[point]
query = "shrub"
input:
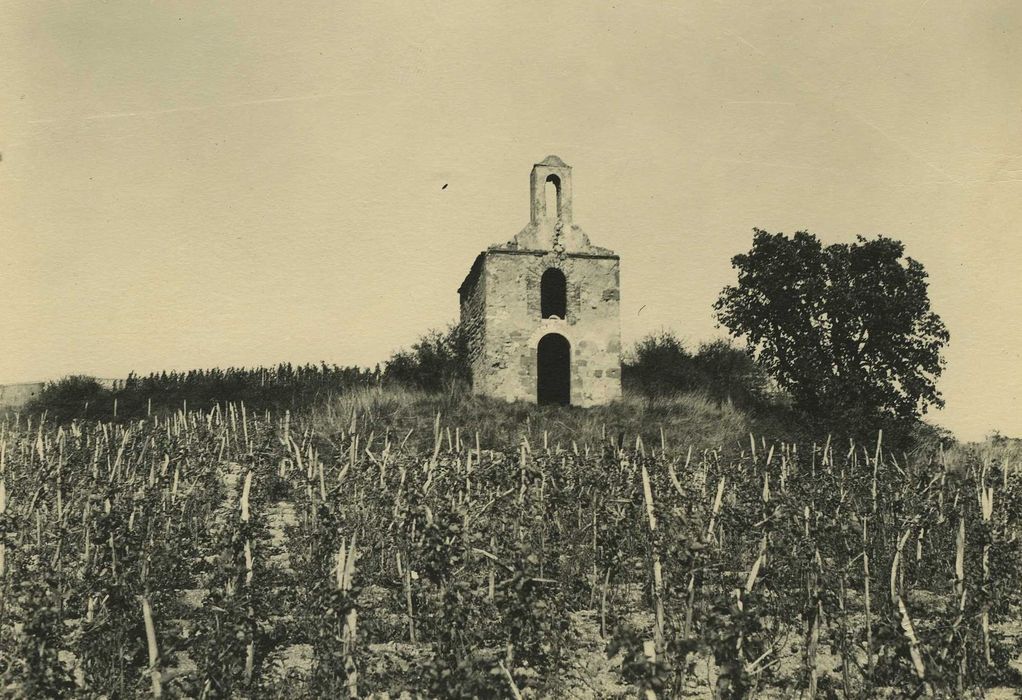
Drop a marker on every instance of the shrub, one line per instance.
(438, 360)
(661, 366)
(284, 386)
(728, 372)
(71, 397)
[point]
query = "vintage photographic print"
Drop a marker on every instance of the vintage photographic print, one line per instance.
(510, 349)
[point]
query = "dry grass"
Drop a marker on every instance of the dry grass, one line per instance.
(684, 419)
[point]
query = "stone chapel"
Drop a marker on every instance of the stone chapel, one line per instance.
(542, 311)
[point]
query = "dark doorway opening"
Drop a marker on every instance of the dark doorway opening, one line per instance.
(553, 294)
(553, 359)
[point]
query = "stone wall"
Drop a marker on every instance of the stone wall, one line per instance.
(473, 315)
(17, 395)
(13, 396)
(513, 327)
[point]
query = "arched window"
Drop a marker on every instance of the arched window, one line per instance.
(553, 197)
(553, 294)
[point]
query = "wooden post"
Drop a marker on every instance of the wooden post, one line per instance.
(349, 631)
(3, 509)
(987, 509)
(866, 595)
(658, 582)
(154, 654)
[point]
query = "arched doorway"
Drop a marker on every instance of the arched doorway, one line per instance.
(553, 370)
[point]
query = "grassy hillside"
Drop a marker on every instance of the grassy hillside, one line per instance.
(684, 419)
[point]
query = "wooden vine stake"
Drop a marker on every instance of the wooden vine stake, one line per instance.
(815, 592)
(813, 640)
(244, 426)
(3, 508)
(715, 511)
(895, 563)
(349, 631)
(986, 502)
(245, 516)
(750, 583)
(913, 642)
(866, 598)
(658, 579)
(960, 593)
(3, 546)
(906, 621)
(406, 575)
(154, 652)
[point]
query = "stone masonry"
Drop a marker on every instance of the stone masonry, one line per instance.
(506, 295)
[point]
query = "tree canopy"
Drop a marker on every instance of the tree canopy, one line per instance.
(845, 329)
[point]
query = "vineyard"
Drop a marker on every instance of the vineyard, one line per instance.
(361, 552)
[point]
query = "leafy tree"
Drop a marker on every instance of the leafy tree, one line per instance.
(845, 329)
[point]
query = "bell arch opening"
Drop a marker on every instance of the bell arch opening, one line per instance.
(553, 370)
(553, 197)
(553, 294)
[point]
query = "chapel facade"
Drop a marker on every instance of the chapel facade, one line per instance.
(542, 311)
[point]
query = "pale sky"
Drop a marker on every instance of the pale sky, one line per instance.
(203, 184)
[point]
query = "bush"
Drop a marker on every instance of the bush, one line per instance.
(278, 388)
(75, 396)
(661, 366)
(285, 386)
(728, 372)
(437, 361)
